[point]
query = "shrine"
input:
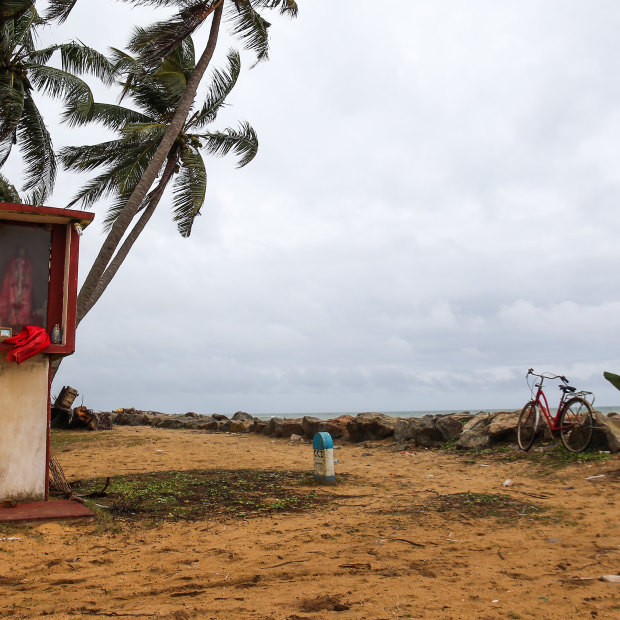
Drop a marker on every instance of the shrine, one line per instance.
(38, 298)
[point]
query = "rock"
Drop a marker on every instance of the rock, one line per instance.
(365, 426)
(429, 431)
(208, 424)
(336, 427)
(242, 415)
(606, 432)
(485, 429)
(294, 437)
(219, 416)
(172, 422)
(284, 427)
(132, 418)
(191, 414)
(241, 426)
(503, 426)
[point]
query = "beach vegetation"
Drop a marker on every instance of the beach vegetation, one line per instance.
(201, 494)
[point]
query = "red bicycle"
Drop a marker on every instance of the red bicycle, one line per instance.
(574, 418)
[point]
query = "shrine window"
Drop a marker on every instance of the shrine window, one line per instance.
(24, 275)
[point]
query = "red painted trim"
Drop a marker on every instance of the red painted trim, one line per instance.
(57, 276)
(49, 425)
(72, 291)
(10, 210)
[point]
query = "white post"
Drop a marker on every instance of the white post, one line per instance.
(323, 458)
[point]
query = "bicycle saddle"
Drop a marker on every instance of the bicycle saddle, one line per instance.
(567, 388)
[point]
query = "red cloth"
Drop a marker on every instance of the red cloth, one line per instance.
(28, 342)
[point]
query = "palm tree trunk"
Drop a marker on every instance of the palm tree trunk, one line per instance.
(87, 296)
(131, 238)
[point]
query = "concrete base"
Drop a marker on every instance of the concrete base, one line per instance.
(53, 510)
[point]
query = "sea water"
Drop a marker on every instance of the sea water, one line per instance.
(404, 414)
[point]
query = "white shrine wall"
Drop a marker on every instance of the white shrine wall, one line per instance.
(24, 394)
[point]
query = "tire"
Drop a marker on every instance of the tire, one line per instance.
(527, 428)
(577, 425)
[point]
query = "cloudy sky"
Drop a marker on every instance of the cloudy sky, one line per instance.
(432, 212)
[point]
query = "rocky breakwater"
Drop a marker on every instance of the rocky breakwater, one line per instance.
(464, 430)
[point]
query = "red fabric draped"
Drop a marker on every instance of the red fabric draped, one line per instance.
(28, 342)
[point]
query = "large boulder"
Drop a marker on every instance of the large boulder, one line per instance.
(486, 429)
(336, 427)
(370, 426)
(429, 431)
(241, 426)
(241, 416)
(607, 431)
(284, 427)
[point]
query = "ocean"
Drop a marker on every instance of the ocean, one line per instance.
(405, 414)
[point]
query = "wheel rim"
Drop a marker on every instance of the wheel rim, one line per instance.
(526, 430)
(576, 427)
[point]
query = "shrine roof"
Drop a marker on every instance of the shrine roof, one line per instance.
(53, 215)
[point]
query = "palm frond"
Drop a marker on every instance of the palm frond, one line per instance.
(59, 10)
(222, 84)
(156, 41)
(151, 132)
(190, 188)
(112, 116)
(244, 143)
(11, 103)
(58, 83)
(91, 156)
(251, 27)
(11, 9)
(36, 146)
(8, 193)
(79, 58)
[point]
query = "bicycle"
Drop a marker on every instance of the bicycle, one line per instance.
(574, 418)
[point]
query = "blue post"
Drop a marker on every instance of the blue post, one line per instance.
(323, 458)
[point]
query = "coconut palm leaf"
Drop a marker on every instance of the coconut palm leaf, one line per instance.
(190, 188)
(78, 58)
(112, 116)
(221, 86)
(161, 38)
(36, 144)
(90, 157)
(58, 10)
(243, 143)
(12, 105)
(11, 9)
(58, 83)
(251, 28)
(287, 7)
(8, 193)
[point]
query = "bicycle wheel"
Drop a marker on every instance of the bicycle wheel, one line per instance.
(527, 426)
(577, 424)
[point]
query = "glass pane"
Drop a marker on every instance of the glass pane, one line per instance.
(24, 276)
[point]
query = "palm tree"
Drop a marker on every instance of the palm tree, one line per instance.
(125, 159)
(153, 44)
(24, 70)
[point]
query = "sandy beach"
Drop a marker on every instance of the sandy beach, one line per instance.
(403, 534)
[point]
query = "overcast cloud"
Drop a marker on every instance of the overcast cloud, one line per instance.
(433, 210)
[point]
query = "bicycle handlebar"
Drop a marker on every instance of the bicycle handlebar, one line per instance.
(547, 376)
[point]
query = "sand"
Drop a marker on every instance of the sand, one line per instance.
(392, 540)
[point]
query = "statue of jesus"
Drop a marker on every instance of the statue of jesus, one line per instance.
(16, 292)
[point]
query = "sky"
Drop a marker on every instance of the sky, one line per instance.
(432, 212)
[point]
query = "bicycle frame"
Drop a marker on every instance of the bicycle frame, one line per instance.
(541, 403)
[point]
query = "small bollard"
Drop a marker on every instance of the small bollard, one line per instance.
(323, 458)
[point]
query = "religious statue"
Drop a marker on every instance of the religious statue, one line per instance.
(16, 291)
